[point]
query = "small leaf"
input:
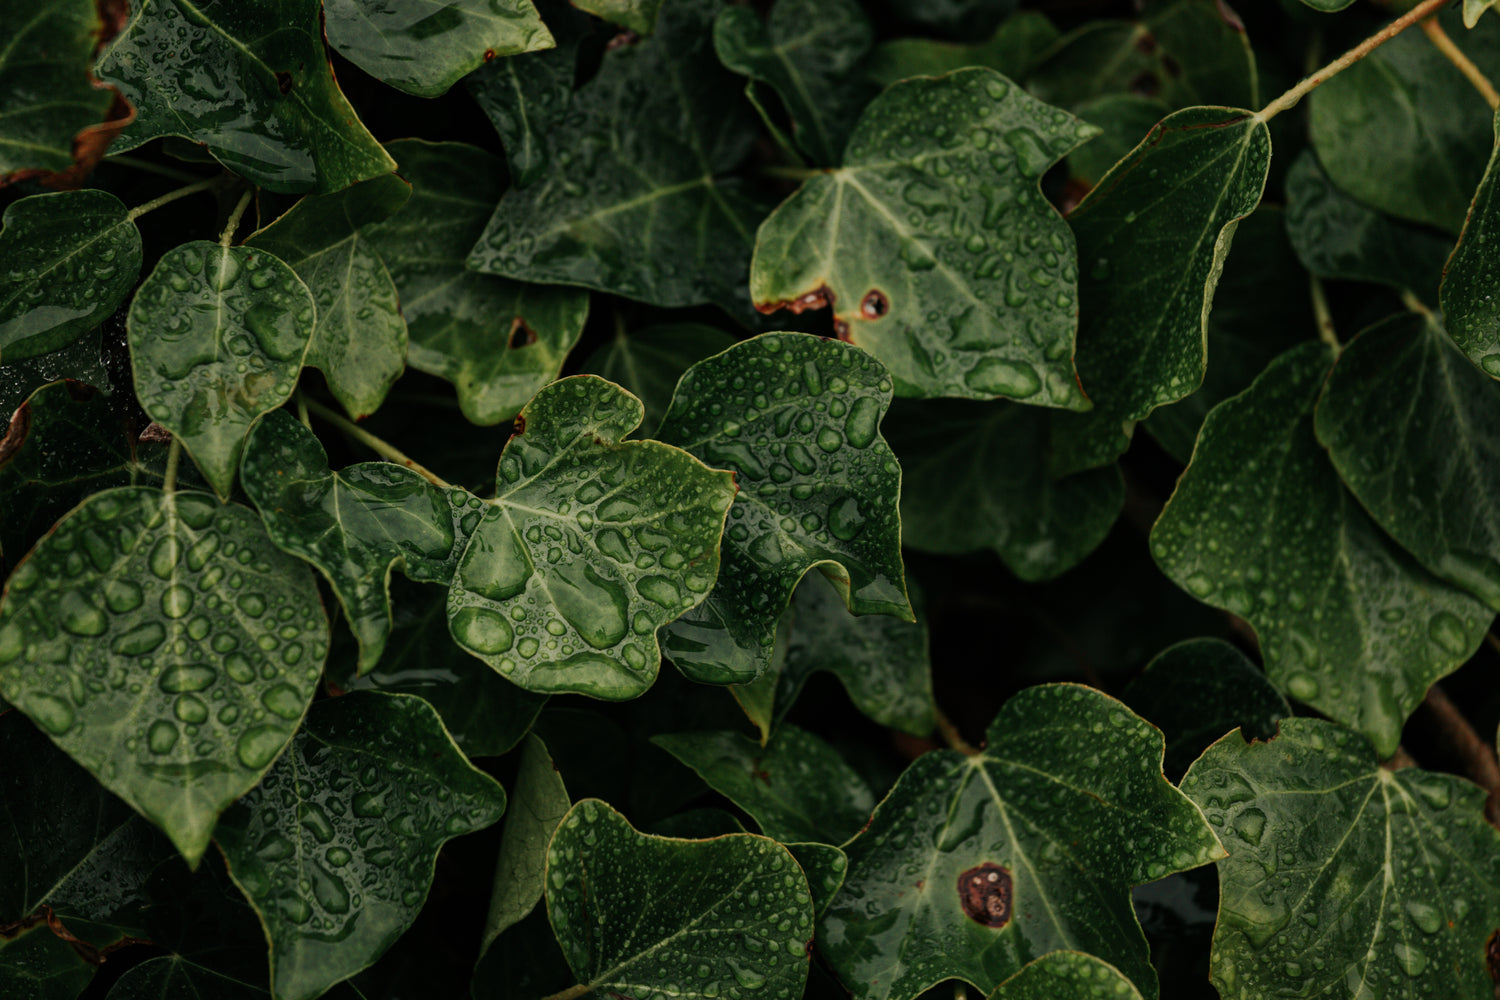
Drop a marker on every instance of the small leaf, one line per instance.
(69, 259)
(538, 802)
(1011, 51)
(591, 545)
(1122, 119)
(1468, 278)
(971, 865)
(217, 337)
(45, 86)
(425, 46)
(82, 361)
(825, 867)
(1472, 10)
(1341, 874)
(797, 418)
(636, 914)
(1261, 526)
(335, 849)
(638, 16)
(935, 277)
(166, 645)
(649, 362)
(1067, 973)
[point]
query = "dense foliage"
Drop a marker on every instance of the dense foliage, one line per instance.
(650, 499)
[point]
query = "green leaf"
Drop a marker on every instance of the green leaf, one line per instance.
(636, 914)
(69, 259)
(796, 787)
(649, 362)
(1123, 119)
(825, 867)
(45, 86)
(809, 51)
(166, 645)
(977, 478)
(270, 111)
(1073, 974)
(1143, 327)
(1472, 10)
(933, 244)
(638, 16)
(971, 865)
(81, 360)
(1330, 6)
(335, 849)
(1011, 51)
(953, 17)
(359, 341)
(217, 338)
(637, 202)
(1261, 526)
(1343, 877)
(1468, 278)
(497, 341)
(1433, 485)
(355, 525)
(797, 418)
(425, 46)
(591, 545)
(539, 800)
(172, 977)
(38, 965)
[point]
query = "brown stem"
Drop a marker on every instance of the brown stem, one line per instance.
(1477, 755)
(571, 993)
(1455, 55)
(1398, 760)
(952, 736)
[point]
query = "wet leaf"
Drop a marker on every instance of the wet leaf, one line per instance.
(797, 419)
(825, 867)
(167, 646)
(971, 865)
(649, 362)
(335, 848)
(217, 338)
(69, 259)
(359, 341)
(1342, 876)
(1073, 974)
(933, 244)
(249, 80)
(1123, 119)
(45, 86)
(636, 914)
(1012, 51)
(497, 341)
(1261, 526)
(591, 545)
(172, 977)
(81, 360)
(638, 16)
(38, 965)
(538, 802)
(1468, 278)
(425, 46)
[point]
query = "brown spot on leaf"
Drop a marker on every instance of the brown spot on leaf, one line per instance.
(1492, 954)
(284, 81)
(519, 426)
(156, 434)
(819, 298)
(841, 330)
(521, 335)
(489, 55)
(874, 305)
(1172, 66)
(984, 893)
(1145, 84)
(621, 40)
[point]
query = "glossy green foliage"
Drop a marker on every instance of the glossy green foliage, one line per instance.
(932, 243)
(1467, 298)
(1080, 975)
(539, 800)
(1344, 877)
(973, 865)
(46, 90)
(81, 360)
(69, 259)
(38, 965)
(797, 419)
(638, 16)
(589, 547)
(636, 914)
(166, 645)
(649, 362)
(1015, 47)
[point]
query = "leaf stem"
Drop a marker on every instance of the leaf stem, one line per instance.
(379, 446)
(1327, 332)
(234, 219)
(571, 993)
(1415, 304)
(951, 735)
(174, 456)
(1354, 55)
(1455, 55)
(121, 160)
(173, 195)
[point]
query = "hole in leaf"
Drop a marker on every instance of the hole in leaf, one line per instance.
(874, 305)
(521, 335)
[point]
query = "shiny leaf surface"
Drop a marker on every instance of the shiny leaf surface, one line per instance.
(46, 92)
(1468, 279)
(1073, 974)
(81, 360)
(649, 362)
(538, 802)
(638, 16)
(1011, 51)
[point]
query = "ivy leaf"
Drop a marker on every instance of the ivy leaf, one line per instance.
(638, 16)
(425, 46)
(825, 867)
(797, 418)
(497, 341)
(39, 965)
(538, 803)
(82, 361)
(809, 51)
(637, 202)
(1342, 875)
(167, 646)
(1011, 51)
(45, 87)
(335, 849)
(359, 340)
(649, 362)
(591, 545)
(70, 259)
(1472, 10)
(635, 913)
(1122, 119)
(1467, 280)
(1261, 526)
(1030, 836)
(1073, 974)
(960, 289)
(271, 111)
(217, 338)
(796, 787)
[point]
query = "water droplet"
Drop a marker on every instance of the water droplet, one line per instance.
(50, 712)
(259, 745)
(1014, 379)
(1448, 632)
(182, 678)
(161, 737)
(80, 617)
(845, 519)
(283, 700)
(1303, 687)
(482, 629)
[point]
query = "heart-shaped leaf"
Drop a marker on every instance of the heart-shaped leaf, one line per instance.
(1071, 974)
(166, 645)
(1468, 279)
(172, 977)
(45, 87)
(1011, 51)
(650, 362)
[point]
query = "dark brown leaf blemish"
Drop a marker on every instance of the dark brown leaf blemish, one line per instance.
(284, 81)
(841, 330)
(519, 426)
(874, 305)
(1145, 84)
(489, 55)
(520, 334)
(621, 40)
(819, 298)
(984, 892)
(1172, 66)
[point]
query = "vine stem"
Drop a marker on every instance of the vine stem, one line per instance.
(174, 456)
(571, 993)
(379, 446)
(951, 735)
(234, 220)
(171, 196)
(1455, 55)
(1479, 759)
(1326, 330)
(1289, 99)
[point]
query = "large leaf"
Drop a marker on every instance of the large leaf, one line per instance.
(1012, 51)
(1261, 526)
(166, 645)
(252, 82)
(637, 202)
(46, 93)
(217, 337)
(798, 420)
(591, 545)
(637, 914)
(1468, 280)
(69, 260)
(359, 341)
(972, 865)
(538, 802)
(1345, 879)
(1077, 975)
(497, 341)
(172, 977)
(1122, 120)
(933, 244)
(81, 360)
(425, 46)
(649, 362)
(335, 848)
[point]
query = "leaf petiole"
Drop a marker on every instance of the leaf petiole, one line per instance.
(383, 448)
(1465, 65)
(173, 195)
(174, 456)
(234, 219)
(1326, 330)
